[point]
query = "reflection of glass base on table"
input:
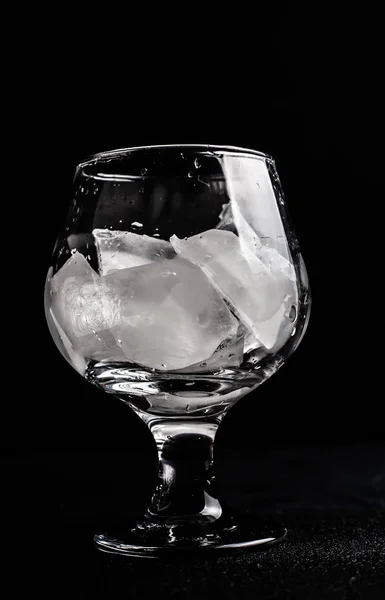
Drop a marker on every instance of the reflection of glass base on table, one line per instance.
(149, 539)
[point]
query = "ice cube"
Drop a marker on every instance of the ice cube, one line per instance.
(124, 250)
(65, 345)
(278, 264)
(228, 355)
(251, 341)
(253, 198)
(271, 252)
(76, 266)
(258, 293)
(84, 306)
(100, 345)
(287, 326)
(226, 218)
(171, 315)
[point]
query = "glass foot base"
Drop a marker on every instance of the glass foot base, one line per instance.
(225, 535)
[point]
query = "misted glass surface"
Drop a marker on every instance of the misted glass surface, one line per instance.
(177, 282)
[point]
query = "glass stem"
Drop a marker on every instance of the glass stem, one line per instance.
(185, 492)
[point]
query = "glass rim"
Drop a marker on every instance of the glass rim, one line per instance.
(198, 148)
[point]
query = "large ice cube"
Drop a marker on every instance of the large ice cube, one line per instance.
(228, 355)
(271, 252)
(252, 198)
(171, 315)
(100, 345)
(85, 307)
(65, 345)
(259, 293)
(76, 266)
(124, 250)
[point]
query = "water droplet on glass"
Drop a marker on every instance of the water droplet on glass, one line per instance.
(187, 407)
(143, 171)
(292, 313)
(197, 163)
(137, 224)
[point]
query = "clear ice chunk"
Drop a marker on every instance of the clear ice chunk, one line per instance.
(260, 293)
(278, 264)
(228, 355)
(76, 266)
(271, 252)
(99, 346)
(252, 198)
(171, 315)
(85, 307)
(65, 345)
(124, 250)
(251, 341)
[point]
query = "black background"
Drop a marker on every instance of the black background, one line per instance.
(301, 83)
(303, 86)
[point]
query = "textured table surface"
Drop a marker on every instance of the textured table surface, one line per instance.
(332, 499)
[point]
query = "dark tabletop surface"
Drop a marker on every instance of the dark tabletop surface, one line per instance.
(330, 497)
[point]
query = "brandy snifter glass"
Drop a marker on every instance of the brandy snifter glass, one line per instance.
(177, 285)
